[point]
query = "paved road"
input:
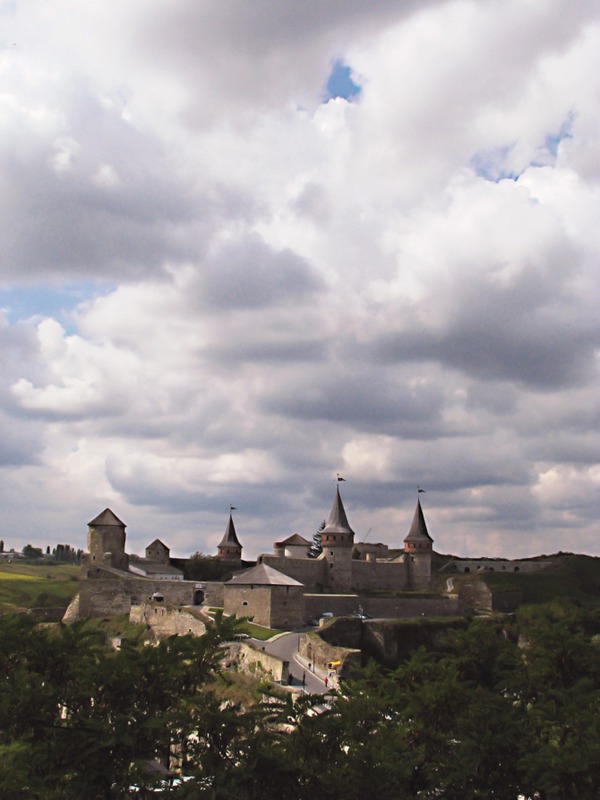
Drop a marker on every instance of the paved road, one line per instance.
(286, 647)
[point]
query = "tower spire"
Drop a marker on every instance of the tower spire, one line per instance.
(337, 530)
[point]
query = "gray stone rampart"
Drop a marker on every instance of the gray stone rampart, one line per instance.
(385, 575)
(106, 597)
(493, 565)
(387, 607)
(309, 571)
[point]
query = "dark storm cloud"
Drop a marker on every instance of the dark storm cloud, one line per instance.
(369, 399)
(498, 334)
(96, 198)
(311, 350)
(249, 274)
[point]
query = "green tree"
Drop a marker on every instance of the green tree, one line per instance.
(316, 548)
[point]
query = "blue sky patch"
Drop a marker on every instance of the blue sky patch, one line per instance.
(23, 302)
(340, 83)
(490, 164)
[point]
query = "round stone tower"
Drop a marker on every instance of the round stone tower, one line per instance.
(106, 541)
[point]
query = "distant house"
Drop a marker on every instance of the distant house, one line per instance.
(158, 551)
(295, 546)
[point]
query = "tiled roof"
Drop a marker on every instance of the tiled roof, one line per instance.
(230, 536)
(337, 521)
(107, 517)
(418, 528)
(296, 539)
(263, 575)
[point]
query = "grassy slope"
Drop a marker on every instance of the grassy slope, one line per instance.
(24, 586)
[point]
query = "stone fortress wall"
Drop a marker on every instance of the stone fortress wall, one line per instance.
(167, 620)
(493, 565)
(347, 604)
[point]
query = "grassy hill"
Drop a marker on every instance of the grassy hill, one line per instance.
(24, 586)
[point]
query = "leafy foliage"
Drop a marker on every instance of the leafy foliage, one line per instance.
(495, 713)
(205, 568)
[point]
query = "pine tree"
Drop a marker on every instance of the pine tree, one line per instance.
(316, 548)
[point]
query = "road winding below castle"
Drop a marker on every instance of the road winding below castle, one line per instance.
(285, 646)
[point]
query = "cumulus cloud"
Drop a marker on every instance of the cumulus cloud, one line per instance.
(400, 286)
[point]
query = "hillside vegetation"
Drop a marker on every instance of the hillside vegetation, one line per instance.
(571, 577)
(24, 586)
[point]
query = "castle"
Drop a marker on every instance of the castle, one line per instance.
(284, 589)
(345, 566)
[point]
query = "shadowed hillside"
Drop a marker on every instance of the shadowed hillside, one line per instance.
(24, 586)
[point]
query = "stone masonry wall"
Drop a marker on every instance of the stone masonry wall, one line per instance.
(271, 606)
(385, 576)
(258, 662)
(287, 607)
(320, 653)
(167, 620)
(110, 596)
(311, 572)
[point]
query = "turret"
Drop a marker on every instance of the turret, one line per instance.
(337, 539)
(418, 546)
(337, 531)
(229, 548)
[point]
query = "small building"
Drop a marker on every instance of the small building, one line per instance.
(158, 551)
(266, 595)
(295, 546)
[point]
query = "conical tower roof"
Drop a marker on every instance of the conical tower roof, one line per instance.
(230, 538)
(418, 529)
(106, 517)
(337, 522)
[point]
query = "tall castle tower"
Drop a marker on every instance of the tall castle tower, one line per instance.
(106, 541)
(418, 546)
(337, 540)
(229, 548)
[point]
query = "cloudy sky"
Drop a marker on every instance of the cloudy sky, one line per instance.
(246, 246)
